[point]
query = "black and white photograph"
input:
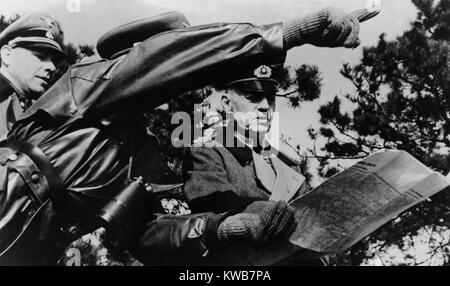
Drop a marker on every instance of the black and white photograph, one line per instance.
(229, 133)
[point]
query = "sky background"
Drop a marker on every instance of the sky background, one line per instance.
(84, 21)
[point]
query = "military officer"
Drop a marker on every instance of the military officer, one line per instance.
(235, 166)
(67, 157)
(237, 169)
(30, 48)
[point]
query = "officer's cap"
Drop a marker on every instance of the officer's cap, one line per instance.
(123, 38)
(262, 78)
(34, 31)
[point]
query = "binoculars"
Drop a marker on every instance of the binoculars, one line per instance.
(126, 215)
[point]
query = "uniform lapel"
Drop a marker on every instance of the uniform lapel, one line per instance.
(282, 181)
(288, 181)
(264, 172)
(273, 173)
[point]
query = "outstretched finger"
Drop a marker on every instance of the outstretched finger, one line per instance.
(346, 30)
(365, 14)
(352, 40)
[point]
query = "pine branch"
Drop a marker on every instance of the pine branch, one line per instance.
(315, 156)
(289, 93)
(341, 130)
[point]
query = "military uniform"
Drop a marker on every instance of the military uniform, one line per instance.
(221, 176)
(32, 31)
(11, 107)
(81, 126)
(221, 179)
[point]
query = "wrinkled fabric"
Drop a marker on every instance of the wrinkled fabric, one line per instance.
(178, 240)
(225, 179)
(282, 180)
(82, 123)
(10, 108)
(88, 112)
(220, 179)
(27, 220)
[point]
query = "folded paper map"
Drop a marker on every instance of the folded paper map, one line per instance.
(348, 206)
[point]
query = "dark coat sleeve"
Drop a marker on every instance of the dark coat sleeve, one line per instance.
(30, 233)
(179, 240)
(159, 69)
(168, 64)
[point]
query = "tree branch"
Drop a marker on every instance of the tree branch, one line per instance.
(287, 94)
(315, 156)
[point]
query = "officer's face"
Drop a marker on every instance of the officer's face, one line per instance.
(29, 70)
(252, 111)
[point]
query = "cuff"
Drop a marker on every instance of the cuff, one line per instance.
(274, 50)
(212, 224)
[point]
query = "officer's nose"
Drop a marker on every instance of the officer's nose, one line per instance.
(264, 104)
(48, 64)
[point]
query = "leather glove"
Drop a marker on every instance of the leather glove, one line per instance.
(260, 223)
(329, 27)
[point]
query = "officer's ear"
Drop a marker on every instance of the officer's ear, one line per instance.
(226, 102)
(5, 54)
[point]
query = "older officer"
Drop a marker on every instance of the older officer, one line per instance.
(234, 171)
(237, 171)
(67, 157)
(29, 51)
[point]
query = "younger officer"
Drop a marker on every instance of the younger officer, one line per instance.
(29, 51)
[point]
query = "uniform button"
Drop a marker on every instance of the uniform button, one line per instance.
(35, 178)
(13, 157)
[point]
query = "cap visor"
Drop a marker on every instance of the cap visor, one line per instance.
(50, 49)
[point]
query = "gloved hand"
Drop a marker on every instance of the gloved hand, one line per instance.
(260, 223)
(328, 27)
